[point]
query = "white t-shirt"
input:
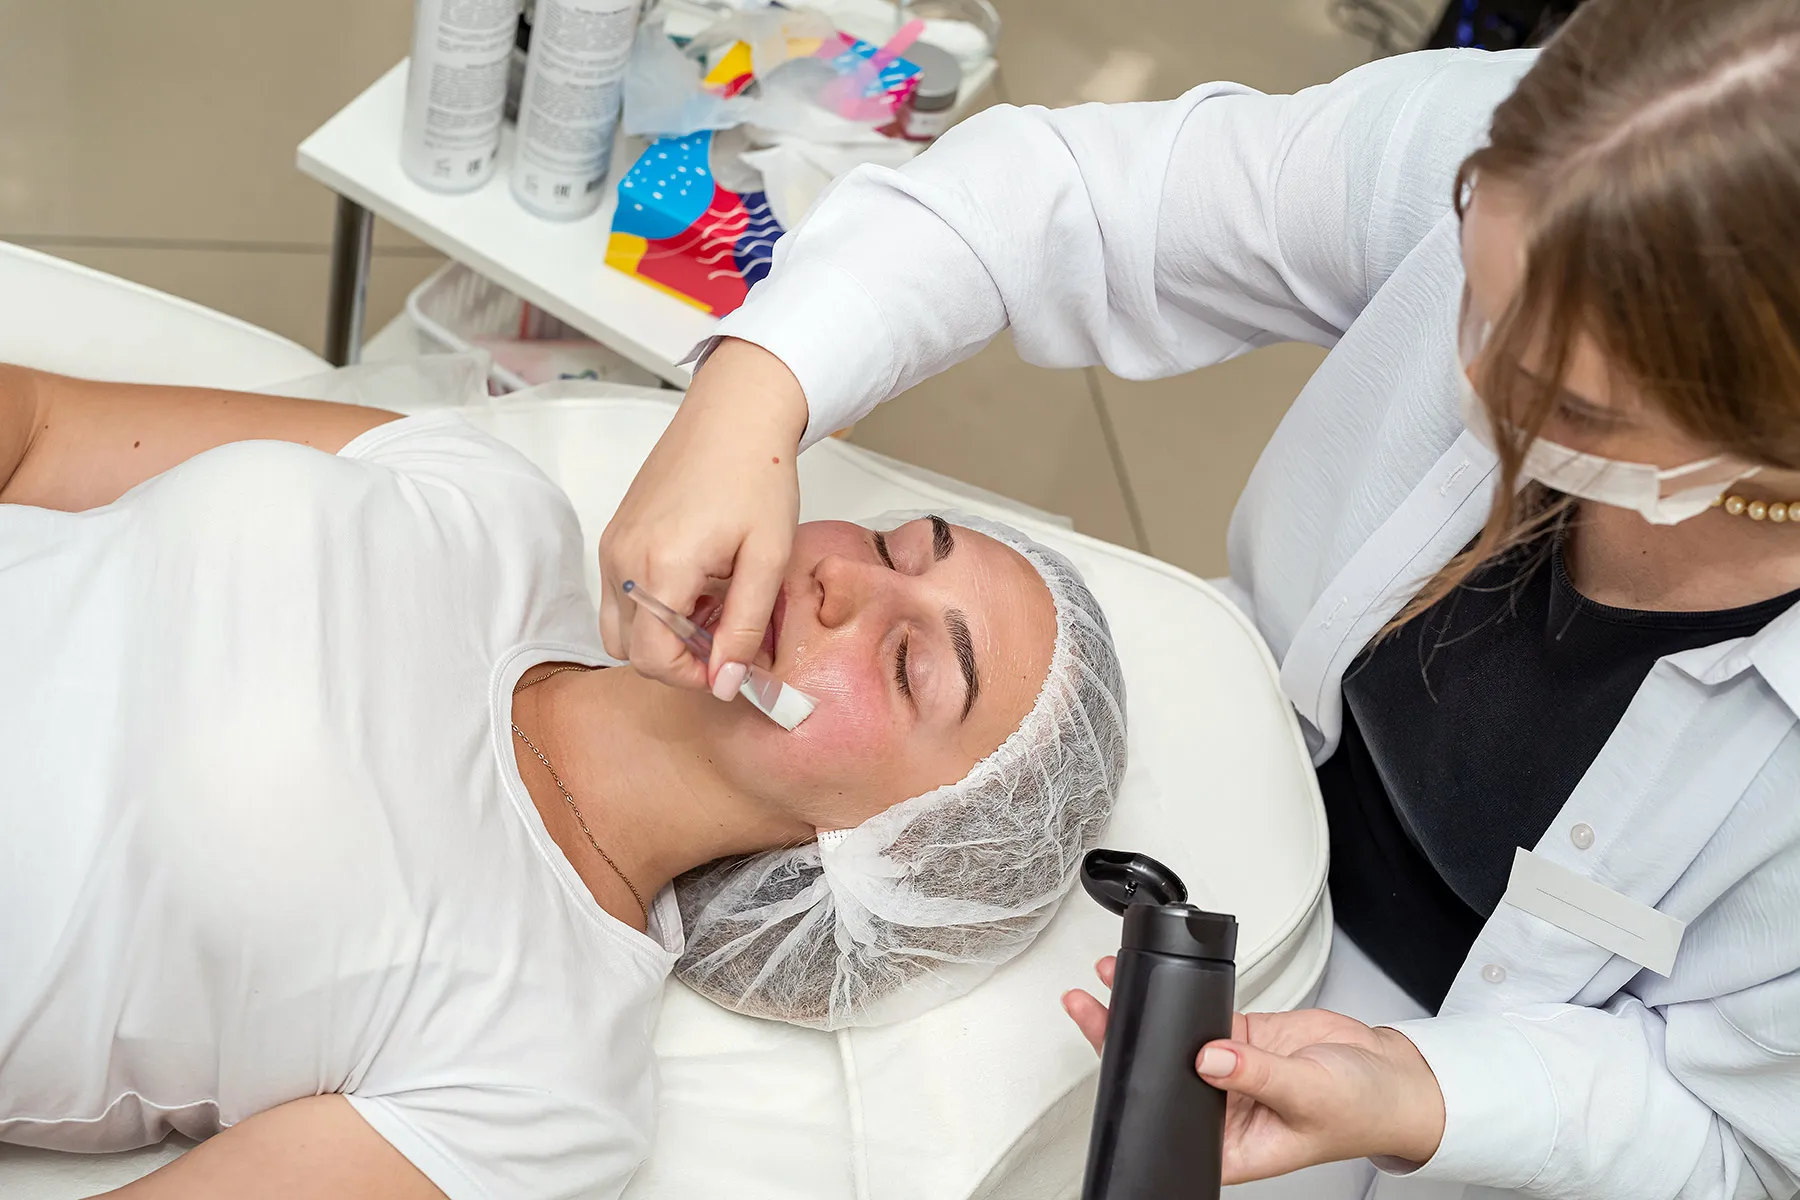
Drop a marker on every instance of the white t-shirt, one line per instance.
(262, 834)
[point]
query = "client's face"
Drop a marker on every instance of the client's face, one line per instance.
(925, 647)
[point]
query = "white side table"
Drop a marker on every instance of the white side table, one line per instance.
(560, 266)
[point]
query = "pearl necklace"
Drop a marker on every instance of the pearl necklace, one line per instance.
(1759, 510)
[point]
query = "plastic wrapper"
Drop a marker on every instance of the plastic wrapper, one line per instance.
(663, 92)
(753, 118)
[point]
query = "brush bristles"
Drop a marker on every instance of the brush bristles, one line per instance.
(791, 707)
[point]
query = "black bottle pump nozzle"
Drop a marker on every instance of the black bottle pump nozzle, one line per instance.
(1158, 1127)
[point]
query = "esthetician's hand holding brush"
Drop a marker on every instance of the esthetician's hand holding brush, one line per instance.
(1306, 1087)
(718, 498)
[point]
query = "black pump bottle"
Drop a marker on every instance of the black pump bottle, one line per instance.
(1158, 1127)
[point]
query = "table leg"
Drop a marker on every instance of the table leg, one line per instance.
(351, 237)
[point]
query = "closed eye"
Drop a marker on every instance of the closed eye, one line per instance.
(900, 673)
(1571, 407)
(1583, 415)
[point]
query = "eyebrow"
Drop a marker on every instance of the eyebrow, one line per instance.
(942, 540)
(964, 645)
(943, 544)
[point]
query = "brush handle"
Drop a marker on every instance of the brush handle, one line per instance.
(897, 45)
(698, 641)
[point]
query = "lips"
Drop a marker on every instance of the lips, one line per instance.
(771, 643)
(707, 612)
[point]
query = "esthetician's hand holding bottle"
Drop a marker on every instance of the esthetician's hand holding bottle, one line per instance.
(718, 498)
(1306, 1087)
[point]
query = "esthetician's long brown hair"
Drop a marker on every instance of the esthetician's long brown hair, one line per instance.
(1657, 143)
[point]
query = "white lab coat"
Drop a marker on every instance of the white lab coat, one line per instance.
(1156, 238)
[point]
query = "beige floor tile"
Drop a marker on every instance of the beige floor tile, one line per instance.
(1188, 444)
(1020, 430)
(179, 118)
(1058, 52)
(282, 292)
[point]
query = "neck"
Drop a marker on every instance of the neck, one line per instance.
(630, 754)
(1712, 561)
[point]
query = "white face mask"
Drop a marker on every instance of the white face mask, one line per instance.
(1637, 486)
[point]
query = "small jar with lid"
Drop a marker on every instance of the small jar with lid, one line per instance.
(927, 112)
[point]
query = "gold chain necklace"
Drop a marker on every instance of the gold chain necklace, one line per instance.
(570, 800)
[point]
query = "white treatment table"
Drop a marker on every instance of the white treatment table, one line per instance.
(988, 1096)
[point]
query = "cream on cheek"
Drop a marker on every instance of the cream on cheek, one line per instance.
(854, 721)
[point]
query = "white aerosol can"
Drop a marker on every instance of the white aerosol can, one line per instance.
(455, 91)
(569, 110)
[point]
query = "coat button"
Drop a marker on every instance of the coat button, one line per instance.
(1494, 973)
(1582, 835)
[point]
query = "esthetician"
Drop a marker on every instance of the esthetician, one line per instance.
(1526, 547)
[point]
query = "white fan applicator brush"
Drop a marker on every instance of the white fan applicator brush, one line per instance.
(786, 706)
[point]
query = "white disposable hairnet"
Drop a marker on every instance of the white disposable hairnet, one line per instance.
(921, 902)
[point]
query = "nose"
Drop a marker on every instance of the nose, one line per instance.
(847, 588)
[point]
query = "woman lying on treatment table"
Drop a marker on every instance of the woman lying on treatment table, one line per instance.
(318, 834)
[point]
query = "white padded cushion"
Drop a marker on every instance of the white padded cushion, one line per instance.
(64, 317)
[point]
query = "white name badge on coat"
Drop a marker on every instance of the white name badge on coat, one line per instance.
(1578, 905)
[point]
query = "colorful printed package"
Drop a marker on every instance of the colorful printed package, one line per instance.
(892, 83)
(679, 229)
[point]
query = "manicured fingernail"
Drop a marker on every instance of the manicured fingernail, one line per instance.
(729, 679)
(1217, 1062)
